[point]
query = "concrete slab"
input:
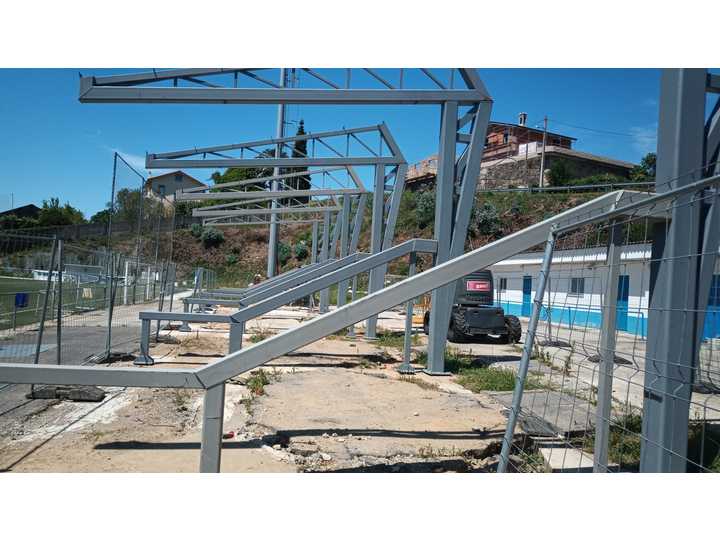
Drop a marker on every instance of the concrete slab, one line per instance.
(548, 413)
(560, 459)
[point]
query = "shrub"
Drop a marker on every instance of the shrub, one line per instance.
(486, 220)
(301, 250)
(425, 208)
(212, 237)
(196, 230)
(283, 253)
(231, 258)
(559, 173)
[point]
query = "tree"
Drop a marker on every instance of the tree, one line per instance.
(103, 216)
(53, 215)
(425, 208)
(645, 172)
(299, 182)
(559, 173)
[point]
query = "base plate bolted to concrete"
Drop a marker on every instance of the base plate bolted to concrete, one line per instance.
(144, 361)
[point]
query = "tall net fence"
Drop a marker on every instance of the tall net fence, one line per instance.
(141, 213)
(611, 384)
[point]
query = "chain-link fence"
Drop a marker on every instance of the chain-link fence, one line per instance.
(623, 372)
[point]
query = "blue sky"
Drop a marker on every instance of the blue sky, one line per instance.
(51, 145)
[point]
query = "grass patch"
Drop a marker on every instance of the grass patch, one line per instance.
(481, 378)
(494, 379)
(395, 340)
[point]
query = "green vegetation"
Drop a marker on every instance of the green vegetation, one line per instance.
(52, 214)
(258, 380)
(301, 250)
(395, 339)
(261, 335)
(481, 378)
(212, 237)
(283, 253)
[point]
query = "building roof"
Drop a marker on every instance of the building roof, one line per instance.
(528, 128)
(22, 211)
(173, 173)
(563, 151)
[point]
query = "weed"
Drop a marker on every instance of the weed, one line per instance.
(531, 462)
(261, 335)
(180, 399)
(422, 383)
(257, 382)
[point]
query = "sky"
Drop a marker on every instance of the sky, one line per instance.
(51, 145)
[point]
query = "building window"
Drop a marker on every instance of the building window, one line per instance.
(506, 137)
(577, 286)
(178, 177)
(503, 284)
(161, 189)
(714, 299)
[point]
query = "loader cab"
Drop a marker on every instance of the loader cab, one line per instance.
(475, 289)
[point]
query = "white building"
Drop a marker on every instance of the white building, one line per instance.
(576, 284)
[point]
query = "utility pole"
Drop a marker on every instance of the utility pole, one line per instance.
(542, 156)
(273, 238)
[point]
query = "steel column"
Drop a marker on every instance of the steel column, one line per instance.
(236, 335)
(324, 255)
(442, 298)
(672, 348)
(212, 430)
(144, 359)
(405, 367)
(527, 352)
(344, 233)
(378, 213)
(273, 238)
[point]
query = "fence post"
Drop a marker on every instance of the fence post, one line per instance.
(607, 351)
(405, 367)
(111, 306)
(45, 306)
(58, 326)
(212, 430)
(527, 351)
(125, 282)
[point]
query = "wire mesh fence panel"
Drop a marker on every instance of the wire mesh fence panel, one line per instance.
(64, 303)
(27, 289)
(597, 368)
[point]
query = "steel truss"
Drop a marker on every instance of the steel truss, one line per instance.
(333, 150)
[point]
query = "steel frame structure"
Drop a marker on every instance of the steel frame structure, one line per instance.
(357, 152)
(465, 106)
(212, 378)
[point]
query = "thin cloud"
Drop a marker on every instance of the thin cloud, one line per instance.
(650, 102)
(644, 139)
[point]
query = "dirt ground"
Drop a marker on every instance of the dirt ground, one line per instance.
(337, 405)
